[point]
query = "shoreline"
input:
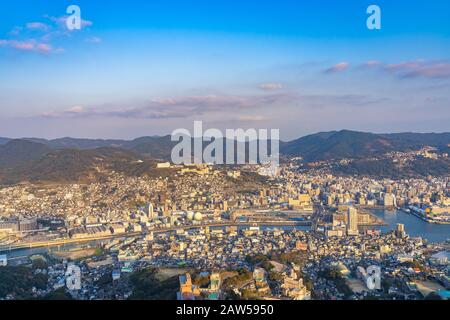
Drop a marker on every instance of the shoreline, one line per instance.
(403, 209)
(431, 221)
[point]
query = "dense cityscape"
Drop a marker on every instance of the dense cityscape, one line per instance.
(217, 232)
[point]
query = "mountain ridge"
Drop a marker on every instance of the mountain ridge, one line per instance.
(65, 159)
(354, 144)
(319, 146)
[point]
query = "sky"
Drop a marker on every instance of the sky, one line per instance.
(139, 68)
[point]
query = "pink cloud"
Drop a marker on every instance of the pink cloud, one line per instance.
(76, 109)
(29, 45)
(413, 69)
(23, 46)
(56, 27)
(211, 105)
(371, 63)
(341, 66)
(177, 107)
(420, 68)
(45, 48)
(410, 65)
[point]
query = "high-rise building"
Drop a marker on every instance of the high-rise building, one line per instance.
(352, 221)
(150, 211)
(389, 200)
(400, 231)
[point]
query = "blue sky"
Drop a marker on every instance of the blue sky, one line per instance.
(148, 67)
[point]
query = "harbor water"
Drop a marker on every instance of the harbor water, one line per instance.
(414, 226)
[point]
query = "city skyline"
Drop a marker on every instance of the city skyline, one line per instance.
(147, 69)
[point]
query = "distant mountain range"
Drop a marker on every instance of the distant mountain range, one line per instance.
(351, 144)
(319, 146)
(386, 168)
(158, 147)
(68, 165)
(70, 159)
(21, 151)
(16, 152)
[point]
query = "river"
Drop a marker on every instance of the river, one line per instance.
(414, 226)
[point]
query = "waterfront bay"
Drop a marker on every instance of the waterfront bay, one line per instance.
(414, 226)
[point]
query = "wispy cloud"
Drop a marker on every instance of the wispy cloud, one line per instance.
(38, 36)
(60, 29)
(62, 20)
(413, 69)
(177, 107)
(241, 108)
(29, 45)
(371, 63)
(93, 40)
(69, 113)
(37, 26)
(424, 69)
(251, 118)
(326, 101)
(270, 86)
(341, 66)
(15, 31)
